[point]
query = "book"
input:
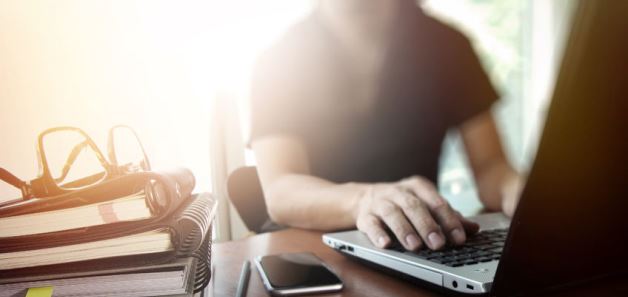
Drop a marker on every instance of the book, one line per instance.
(182, 234)
(136, 244)
(53, 275)
(132, 207)
(175, 277)
(68, 240)
(146, 200)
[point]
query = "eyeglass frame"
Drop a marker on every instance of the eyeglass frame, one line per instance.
(46, 186)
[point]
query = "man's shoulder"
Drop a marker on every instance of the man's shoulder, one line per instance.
(443, 31)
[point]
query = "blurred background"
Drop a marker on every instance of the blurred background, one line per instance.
(178, 72)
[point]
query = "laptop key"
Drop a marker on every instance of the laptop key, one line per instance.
(485, 247)
(457, 264)
(434, 257)
(485, 259)
(437, 260)
(462, 257)
(468, 249)
(423, 253)
(484, 242)
(484, 253)
(449, 259)
(496, 250)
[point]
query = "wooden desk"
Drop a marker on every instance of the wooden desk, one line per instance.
(359, 280)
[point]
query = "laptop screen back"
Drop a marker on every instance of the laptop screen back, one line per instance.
(571, 223)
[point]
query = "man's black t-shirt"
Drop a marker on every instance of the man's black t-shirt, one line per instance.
(431, 81)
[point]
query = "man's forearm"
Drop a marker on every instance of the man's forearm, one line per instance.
(313, 203)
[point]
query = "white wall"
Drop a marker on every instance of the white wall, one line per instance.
(93, 64)
(156, 65)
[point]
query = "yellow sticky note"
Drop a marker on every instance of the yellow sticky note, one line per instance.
(39, 292)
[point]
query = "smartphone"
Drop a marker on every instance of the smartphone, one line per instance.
(296, 273)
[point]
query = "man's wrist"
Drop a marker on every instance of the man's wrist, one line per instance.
(357, 200)
(510, 193)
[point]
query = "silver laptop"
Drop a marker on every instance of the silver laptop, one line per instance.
(469, 268)
(570, 224)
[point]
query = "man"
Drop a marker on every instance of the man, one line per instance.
(349, 112)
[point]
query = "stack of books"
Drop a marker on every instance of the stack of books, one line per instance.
(140, 235)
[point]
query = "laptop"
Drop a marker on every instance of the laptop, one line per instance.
(570, 226)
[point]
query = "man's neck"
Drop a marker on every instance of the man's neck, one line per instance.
(361, 28)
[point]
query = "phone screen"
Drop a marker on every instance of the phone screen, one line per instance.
(298, 270)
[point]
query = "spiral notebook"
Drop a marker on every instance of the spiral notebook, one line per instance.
(188, 235)
(180, 236)
(176, 278)
(166, 194)
(127, 208)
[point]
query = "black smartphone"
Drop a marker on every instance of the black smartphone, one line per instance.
(296, 273)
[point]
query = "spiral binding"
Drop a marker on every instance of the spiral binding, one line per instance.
(194, 221)
(195, 234)
(203, 267)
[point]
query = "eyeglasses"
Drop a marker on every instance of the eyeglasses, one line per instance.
(69, 160)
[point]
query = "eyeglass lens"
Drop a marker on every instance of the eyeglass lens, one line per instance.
(127, 152)
(70, 157)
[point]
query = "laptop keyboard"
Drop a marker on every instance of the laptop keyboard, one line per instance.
(485, 246)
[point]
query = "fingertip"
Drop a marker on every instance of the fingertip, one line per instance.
(471, 227)
(382, 241)
(458, 236)
(413, 242)
(436, 240)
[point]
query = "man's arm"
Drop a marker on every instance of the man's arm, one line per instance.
(296, 198)
(412, 209)
(498, 183)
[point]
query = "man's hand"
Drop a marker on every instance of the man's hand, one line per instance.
(415, 213)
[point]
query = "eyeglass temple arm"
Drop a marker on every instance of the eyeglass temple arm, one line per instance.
(16, 182)
(11, 179)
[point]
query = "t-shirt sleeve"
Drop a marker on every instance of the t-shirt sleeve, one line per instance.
(468, 87)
